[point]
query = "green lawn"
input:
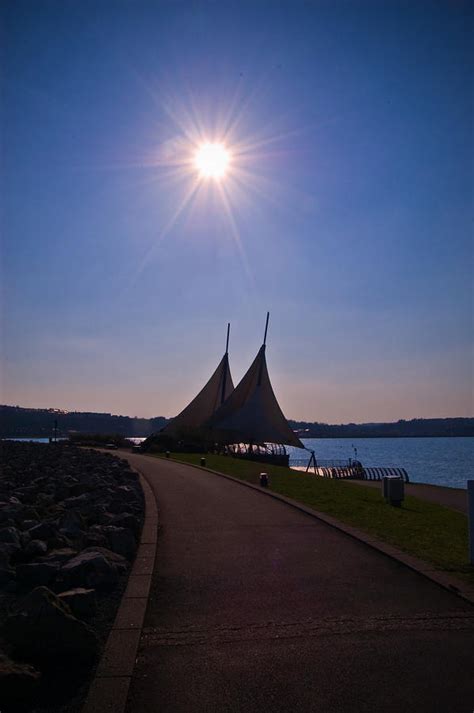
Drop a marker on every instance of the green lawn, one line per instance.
(431, 532)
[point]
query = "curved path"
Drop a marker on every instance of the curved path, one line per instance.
(257, 607)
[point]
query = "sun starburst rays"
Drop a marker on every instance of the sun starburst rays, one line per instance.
(221, 164)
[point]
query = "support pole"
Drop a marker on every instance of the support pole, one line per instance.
(227, 342)
(266, 327)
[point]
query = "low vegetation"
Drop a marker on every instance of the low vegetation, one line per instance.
(433, 533)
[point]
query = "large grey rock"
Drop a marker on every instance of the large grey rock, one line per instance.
(36, 574)
(43, 531)
(43, 627)
(35, 548)
(121, 540)
(10, 535)
(78, 502)
(18, 682)
(81, 601)
(71, 524)
(126, 519)
(7, 575)
(93, 568)
(60, 555)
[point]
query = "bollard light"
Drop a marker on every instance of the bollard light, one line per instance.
(167, 454)
(203, 462)
(264, 480)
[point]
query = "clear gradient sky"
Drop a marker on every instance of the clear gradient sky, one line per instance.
(347, 211)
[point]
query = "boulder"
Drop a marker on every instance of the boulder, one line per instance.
(121, 540)
(43, 627)
(10, 536)
(71, 524)
(36, 574)
(35, 548)
(43, 531)
(82, 602)
(7, 575)
(77, 502)
(18, 682)
(60, 555)
(92, 568)
(126, 519)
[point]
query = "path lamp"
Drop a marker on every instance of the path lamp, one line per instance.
(203, 462)
(264, 480)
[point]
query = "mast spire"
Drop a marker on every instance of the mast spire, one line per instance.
(266, 327)
(227, 342)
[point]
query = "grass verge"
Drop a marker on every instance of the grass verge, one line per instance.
(426, 530)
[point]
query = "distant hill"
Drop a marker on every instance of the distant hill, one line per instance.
(17, 422)
(417, 427)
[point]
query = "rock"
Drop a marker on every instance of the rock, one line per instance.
(25, 539)
(18, 682)
(91, 569)
(10, 535)
(43, 627)
(71, 525)
(95, 538)
(77, 502)
(43, 531)
(7, 575)
(8, 550)
(131, 522)
(61, 555)
(82, 602)
(121, 541)
(37, 573)
(59, 542)
(35, 548)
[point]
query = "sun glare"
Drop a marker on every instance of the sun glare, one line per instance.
(212, 160)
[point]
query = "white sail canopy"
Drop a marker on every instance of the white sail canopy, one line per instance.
(252, 414)
(215, 392)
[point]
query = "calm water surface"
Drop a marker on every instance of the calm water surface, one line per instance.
(440, 461)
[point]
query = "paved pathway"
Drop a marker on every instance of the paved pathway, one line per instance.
(257, 607)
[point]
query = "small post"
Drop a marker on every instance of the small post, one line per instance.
(264, 480)
(470, 510)
(203, 462)
(167, 454)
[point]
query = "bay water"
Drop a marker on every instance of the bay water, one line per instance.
(439, 461)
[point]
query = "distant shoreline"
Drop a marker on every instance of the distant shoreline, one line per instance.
(18, 422)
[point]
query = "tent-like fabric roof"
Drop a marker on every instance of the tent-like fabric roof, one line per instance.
(252, 414)
(215, 392)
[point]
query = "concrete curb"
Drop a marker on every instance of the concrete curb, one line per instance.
(452, 584)
(109, 689)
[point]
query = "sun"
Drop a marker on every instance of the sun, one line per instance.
(212, 160)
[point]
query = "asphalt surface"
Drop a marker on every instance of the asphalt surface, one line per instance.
(257, 607)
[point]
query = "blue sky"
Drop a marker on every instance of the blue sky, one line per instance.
(346, 212)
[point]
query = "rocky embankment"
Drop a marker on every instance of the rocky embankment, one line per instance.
(70, 522)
